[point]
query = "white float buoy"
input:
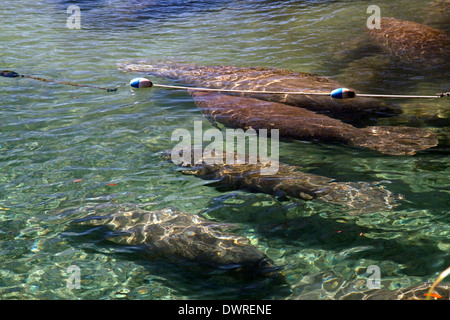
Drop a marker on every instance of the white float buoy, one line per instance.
(139, 83)
(342, 93)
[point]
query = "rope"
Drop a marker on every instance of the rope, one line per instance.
(12, 74)
(440, 95)
(350, 93)
(239, 91)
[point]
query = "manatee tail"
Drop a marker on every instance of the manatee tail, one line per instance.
(396, 140)
(359, 197)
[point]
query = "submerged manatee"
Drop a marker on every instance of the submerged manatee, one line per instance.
(437, 15)
(291, 114)
(177, 236)
(412, 42)
(302, 124)
(357, 197)
(271, 79)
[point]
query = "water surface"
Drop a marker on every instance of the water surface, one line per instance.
(66, 147)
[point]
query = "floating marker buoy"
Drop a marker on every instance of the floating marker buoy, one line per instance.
(140, 83)
(9, 74)
(343, 93)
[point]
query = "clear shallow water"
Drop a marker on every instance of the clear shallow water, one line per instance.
(53, 135)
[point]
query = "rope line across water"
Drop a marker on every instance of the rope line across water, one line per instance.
(12, 74)
(340, 93)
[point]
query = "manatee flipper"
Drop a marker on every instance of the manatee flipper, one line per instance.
(397, 140)
(302, 124)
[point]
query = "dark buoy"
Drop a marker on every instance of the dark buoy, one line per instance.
(9, 74)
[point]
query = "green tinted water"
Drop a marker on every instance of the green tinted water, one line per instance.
(67, 147)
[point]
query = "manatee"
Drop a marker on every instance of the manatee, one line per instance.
(302, 124)
(272, 79)
(292, 115)
(412, 42)
(357, 197)
(437, 15)
(177, 236)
